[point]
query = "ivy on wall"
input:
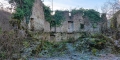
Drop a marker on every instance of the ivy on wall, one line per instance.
(47, 13)
(93, 15)
(54, 20)
(75, 11)
(58, 17)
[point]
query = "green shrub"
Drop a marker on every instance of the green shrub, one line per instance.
(96, 41)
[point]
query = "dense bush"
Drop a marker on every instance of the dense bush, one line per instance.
(94, 42)
(50, 49)
(58, 17)
(47, 13)
(93, 15)
(9, 45)
(54, 20)
(24, 9)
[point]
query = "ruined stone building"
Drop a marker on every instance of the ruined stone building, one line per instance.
(117, 14)
(73, 25)
(4, 20)
(104, 23)
(115, 21)
(70, 28)
(37, 21)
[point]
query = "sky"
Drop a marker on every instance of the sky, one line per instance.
(4, 3)
(69, 4)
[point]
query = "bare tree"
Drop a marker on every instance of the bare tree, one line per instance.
(111, 7)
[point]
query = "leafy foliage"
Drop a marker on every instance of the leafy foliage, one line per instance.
(24, 9)
(54, 20)
(93, 15)
(47, 13)
(92, 43)
(50, 49)
(9, 45)
(94, 25)
(19, 14)
(75, 11)
(58, 17)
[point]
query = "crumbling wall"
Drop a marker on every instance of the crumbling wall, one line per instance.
(4, 20)
(46, 26)
(58, 37)
(37, 16)
(58, 29)
(70, 23)
(72, 26)
(39, 28)
(77, 35)
(78, 20)
(115, 21)
(64, 27)
(118, 21)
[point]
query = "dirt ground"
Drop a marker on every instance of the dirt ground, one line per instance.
(80, 56)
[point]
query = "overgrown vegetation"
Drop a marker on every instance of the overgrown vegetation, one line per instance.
(93, 15)
(12, 46)
(23, 10)
(9, 45)
(76, 11)
(86, 43)
(54, 20)
(93, 42)
(47, 13)
(114, 20)
(58, 17)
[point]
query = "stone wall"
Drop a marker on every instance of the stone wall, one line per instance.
(38, 26)
(73, 24)
(37, 21)
(5, 17)
(70, 23)
(89, 28)
(70, 28)
(77, 19)
(46, 26)
(118, 21)
(57, 37)
(64, 26)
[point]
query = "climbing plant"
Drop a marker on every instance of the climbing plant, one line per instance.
(23, 9)
(75, 11)
(54, 20)
(93, 15)
(47, 13)
(58, 17)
